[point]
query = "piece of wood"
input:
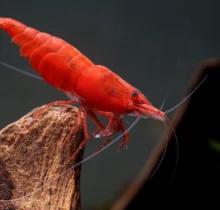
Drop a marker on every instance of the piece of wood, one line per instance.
(31, 156)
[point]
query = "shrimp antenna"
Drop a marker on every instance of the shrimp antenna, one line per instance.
(79, 163)
(160, 162)
(177, 149)
(177, 144)
(20, 70)
(173, 108)
(162, 105)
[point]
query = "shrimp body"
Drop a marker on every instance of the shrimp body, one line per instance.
(95, 87)
(64, 67)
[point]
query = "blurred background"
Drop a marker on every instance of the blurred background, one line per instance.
(154, 45)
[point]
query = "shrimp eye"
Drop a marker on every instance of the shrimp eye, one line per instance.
(134, 93)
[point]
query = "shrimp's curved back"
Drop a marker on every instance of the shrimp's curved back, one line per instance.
(58, 63)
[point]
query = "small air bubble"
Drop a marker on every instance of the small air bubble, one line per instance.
(97, 135)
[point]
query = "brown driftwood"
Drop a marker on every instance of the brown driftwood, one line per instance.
(30, 156)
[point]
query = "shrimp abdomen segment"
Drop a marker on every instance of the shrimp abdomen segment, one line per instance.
(51, 45)
(55, 60)
(54, 71)
(30, 46)
(12, 27)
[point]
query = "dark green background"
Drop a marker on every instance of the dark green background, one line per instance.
(154, 45)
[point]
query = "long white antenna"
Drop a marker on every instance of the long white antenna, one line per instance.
(20, 70)
(170, 110)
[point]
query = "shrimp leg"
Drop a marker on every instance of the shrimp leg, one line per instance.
(96, 121)
(112, 127)
(125, 138)
(104, 144)
(78, 123)
(115, 125)
(41, 110)
(107, 115)
(86, 134)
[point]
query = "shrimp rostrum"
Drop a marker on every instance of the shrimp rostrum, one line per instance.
(98, 90)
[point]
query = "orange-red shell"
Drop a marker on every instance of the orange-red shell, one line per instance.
(58, 63)
(64, 67)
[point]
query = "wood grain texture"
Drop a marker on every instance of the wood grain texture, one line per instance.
(30, 156)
